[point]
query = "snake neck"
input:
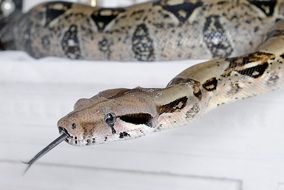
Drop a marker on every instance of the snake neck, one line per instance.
(177, 105)
(208, 85)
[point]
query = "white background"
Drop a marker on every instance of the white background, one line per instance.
(238, 146)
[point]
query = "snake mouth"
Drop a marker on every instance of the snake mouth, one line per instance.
(64, 131)
(69, 136)
(70, 139)
(81, 142)
(73, 140)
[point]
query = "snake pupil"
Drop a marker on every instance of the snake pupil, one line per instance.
(110, 119)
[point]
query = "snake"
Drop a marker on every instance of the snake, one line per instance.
(152, 31)
(244, 38)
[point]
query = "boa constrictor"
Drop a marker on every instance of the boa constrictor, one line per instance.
(159, 30)
(129, 113)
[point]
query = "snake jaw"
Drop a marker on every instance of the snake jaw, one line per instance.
(123, 130)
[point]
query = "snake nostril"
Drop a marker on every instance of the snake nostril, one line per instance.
(73, 125)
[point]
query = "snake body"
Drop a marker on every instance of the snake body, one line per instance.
(128, 113)
(245, 36)
(152, 31)
(253, 30)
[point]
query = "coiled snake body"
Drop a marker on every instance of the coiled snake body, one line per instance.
(246, 37)
(158, 30)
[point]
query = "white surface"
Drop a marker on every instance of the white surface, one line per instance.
(104, 3)
(28, 4)
(237, 146)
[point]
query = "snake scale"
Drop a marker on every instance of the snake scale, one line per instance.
(245, 38)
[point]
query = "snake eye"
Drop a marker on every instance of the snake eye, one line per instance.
(110, 119)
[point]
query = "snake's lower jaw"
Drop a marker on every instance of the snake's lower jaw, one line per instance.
(138, 131)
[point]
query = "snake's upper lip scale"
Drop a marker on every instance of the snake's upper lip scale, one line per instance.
(69, 137)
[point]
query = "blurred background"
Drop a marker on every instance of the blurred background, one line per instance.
(9, 6)
(104, 3)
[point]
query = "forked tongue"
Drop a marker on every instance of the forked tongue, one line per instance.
(49, 147)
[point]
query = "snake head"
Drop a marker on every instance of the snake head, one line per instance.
(111, 115)
(127, 113)
(122, 114)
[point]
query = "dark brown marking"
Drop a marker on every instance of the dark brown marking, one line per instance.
(105, 47)
(215, 38)
(52, 12)
(101, 20)
(137, 118)
(74, 126)
(198, 94)
(181, 11)
(193, 83)
(210, 84)
(113, 131)
(173, 106)
(89, 142)
(70, 43)
(267, 7)
(123, 134)
(142, 44)
(255, 71)
(237, 62)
